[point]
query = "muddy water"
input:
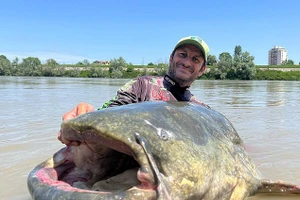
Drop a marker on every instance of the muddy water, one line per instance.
(266, 114)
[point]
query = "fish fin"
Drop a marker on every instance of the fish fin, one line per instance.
(270, 186)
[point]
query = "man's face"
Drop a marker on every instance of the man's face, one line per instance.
(186, 64)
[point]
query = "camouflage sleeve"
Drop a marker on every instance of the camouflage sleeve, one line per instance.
(125, 95)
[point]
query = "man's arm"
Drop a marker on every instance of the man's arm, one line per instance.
(125, 95)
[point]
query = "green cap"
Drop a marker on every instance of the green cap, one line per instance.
(196, 41)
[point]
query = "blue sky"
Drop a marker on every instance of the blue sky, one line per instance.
(145, 31)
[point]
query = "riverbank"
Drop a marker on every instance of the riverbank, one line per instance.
(265, 72)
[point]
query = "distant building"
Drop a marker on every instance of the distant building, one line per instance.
(102, 62)
(277, 55)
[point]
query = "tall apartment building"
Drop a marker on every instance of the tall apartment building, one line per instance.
(277, 55)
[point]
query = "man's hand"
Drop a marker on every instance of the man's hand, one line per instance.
(80, 109)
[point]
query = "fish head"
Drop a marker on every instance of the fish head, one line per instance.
(150, 150)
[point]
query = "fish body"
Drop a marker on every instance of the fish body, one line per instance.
(149, 150)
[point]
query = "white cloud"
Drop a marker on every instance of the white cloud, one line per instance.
(62, 58)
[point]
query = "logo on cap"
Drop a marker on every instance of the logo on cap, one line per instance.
(197, 39)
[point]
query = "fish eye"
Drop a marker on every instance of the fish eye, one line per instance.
(164, 135)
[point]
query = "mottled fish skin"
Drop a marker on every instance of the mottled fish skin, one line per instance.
(197, 151)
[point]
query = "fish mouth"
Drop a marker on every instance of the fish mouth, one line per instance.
(102, 164)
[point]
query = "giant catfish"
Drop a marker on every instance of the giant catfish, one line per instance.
(151, 150)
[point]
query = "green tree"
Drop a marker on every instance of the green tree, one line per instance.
(5, 66)
(237, 51)
(211, 60)
(116, 74)
(59, 71)
(30, 66)
(79, 63)
(15, 62)
(130, 68)
(288, 62)
(85, 62)
(243, 66)
(160, 69)
(75, 72)
(51, 62)
(32, 62)
(98, 72)
(116, 66)
(225, 56)
(223, 66)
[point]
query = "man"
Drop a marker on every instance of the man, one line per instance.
(187, 63)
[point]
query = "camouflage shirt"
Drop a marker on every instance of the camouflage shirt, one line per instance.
(151, 88)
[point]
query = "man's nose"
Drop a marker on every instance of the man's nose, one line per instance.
(187, 62)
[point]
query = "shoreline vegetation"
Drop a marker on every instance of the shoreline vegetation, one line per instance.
(240, 66)
(268, 72)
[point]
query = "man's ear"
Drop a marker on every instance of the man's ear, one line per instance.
(171, 58)
(201, 70)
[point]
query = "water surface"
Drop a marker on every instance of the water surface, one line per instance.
(266, 115)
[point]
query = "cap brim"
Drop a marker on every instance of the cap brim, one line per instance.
(194, 43)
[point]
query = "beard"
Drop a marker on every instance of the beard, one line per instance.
(183, 81)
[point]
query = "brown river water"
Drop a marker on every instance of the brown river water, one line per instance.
(266, 114)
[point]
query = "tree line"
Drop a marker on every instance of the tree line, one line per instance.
(239, 66)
